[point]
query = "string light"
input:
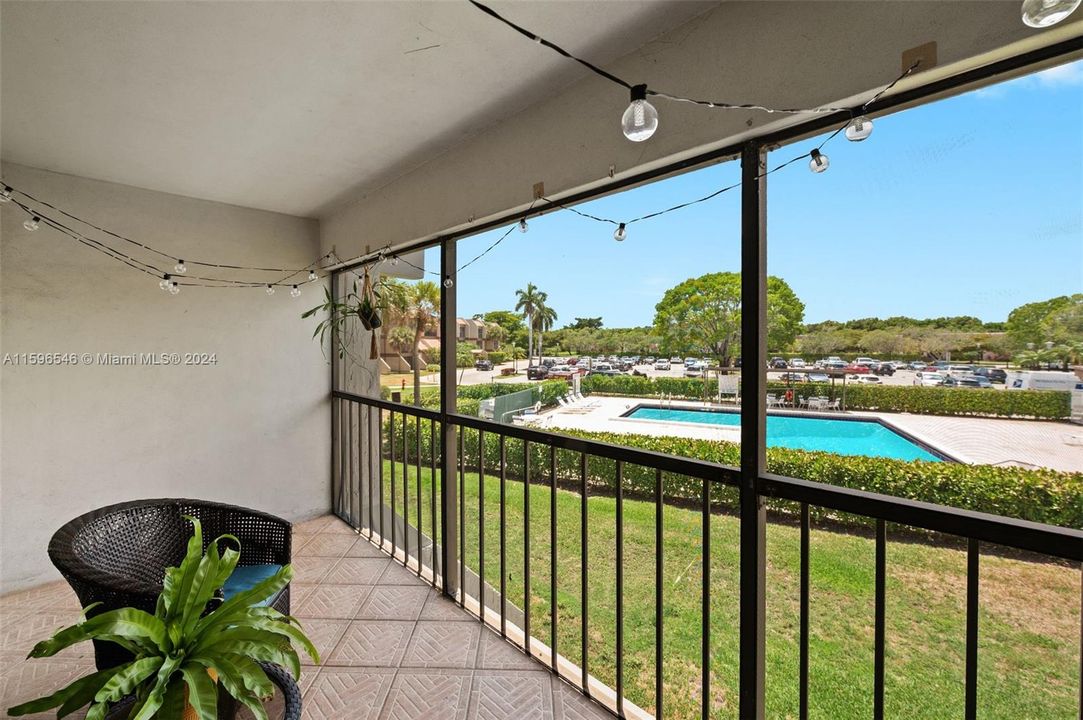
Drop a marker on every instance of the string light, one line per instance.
(621, 233)
(180, 267)
(270, 289)
(640, 120)
(859, 129)
(165, 283)
(32, 223)
(523, 226)
(174, 288)
(818, 162)
(1044, 13)
(448, 282)
(311, 275)
(295, 292)
(5, 194)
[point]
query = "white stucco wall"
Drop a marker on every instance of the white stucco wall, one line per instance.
(251, 429)
(783, 54)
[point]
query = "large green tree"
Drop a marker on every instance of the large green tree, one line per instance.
(703, 315)
(1028, 324)
(511, 321)
(527, 302)
(415, 307)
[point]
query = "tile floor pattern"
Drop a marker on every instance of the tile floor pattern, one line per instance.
(391, 647)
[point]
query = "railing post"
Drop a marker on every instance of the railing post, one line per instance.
(753, 429)
(448, 488)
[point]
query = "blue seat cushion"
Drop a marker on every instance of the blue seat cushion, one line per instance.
(246, 577)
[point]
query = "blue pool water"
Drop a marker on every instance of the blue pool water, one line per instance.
(842, 437)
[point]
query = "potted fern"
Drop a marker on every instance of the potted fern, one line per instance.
(183, 652)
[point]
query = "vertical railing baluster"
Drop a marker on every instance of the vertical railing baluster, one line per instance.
(503, 540)
(878, 638)
(658, 555)
(705, 647)
(972, 586)
(417, 474)
(370, 490)
(481, 526)
(802, 671)
(380, 448)
(526, 546)
(462, 518)
(354, 521)
(405, 493)
(553, 557)
(583, 590)
(620, 588)
(391, 443)
(433, 561)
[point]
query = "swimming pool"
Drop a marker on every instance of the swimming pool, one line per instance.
(842, 437)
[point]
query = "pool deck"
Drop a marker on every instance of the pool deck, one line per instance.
(984, 441)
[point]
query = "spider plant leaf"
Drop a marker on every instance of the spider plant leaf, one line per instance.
(126, 622)
(201, 590)
(193, 557)
(290, 631)
(157, 694)
(127, 679)
(97, 711)
(238, 674)
(202, 691)
(82, 690)
(172, 707)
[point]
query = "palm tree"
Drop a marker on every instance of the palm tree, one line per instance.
(544, 319)
(497, 334)
(516, 353)
(528, 301)
(416, 308)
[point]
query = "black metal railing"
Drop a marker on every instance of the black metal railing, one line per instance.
(371, 434)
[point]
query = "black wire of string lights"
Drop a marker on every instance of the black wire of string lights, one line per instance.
(168, 281)
(640, 119)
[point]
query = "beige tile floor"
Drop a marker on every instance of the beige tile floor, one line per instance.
(391, 647)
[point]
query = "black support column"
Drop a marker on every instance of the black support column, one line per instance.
(448, 339)
(753, 429)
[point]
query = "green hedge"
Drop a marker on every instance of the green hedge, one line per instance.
(545, 392)
(497, 356)
(1042, 404)
(1038, 495)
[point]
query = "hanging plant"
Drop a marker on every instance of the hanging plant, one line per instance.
(364, 303)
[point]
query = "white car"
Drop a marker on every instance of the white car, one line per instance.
(693, 371)
(797, 363)
(662, 364)
(867, 379)
(929, 379)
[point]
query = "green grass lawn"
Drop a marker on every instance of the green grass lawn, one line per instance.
(1030, 611)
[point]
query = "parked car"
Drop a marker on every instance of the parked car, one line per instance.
(649, 360)
(661, 364)
(965, 381)
(485, 365)
(884, 369)
(793, 377)
(573, 361)
(548, 362)
(866, 361)
(856, 369)
(777, 363)
(918, 365)
(835, 364)
(928, 378)
(961, 369)
(693, 371)
(676, 360)
(994, 375)
(797, 363)
(868, 380)
(817, 377)
(537, 372)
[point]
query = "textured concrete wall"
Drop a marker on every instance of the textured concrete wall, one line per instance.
(250, 429)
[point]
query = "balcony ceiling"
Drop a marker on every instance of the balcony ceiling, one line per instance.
(284, 106)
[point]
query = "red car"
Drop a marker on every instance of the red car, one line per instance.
(854, 369)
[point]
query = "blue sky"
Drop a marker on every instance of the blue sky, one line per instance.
(970, 206)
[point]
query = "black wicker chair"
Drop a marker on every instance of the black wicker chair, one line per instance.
(117, 555)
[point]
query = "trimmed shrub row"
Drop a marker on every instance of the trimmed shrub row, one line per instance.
(1038, 495)
(1041, 404)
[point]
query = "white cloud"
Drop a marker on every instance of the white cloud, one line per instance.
(1068, 75)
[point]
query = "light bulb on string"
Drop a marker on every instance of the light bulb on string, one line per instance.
(165, 283)
(448, 282)
(621, 233)
(859, 129)
(1044, 13)
(819, 161)
(523, 226)
(640, 120)
(270, 289)
(394, 260)
(295, 292)
(5, 194)
(174, 288)
(180, 267)
(32, 223)
(311, 275)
